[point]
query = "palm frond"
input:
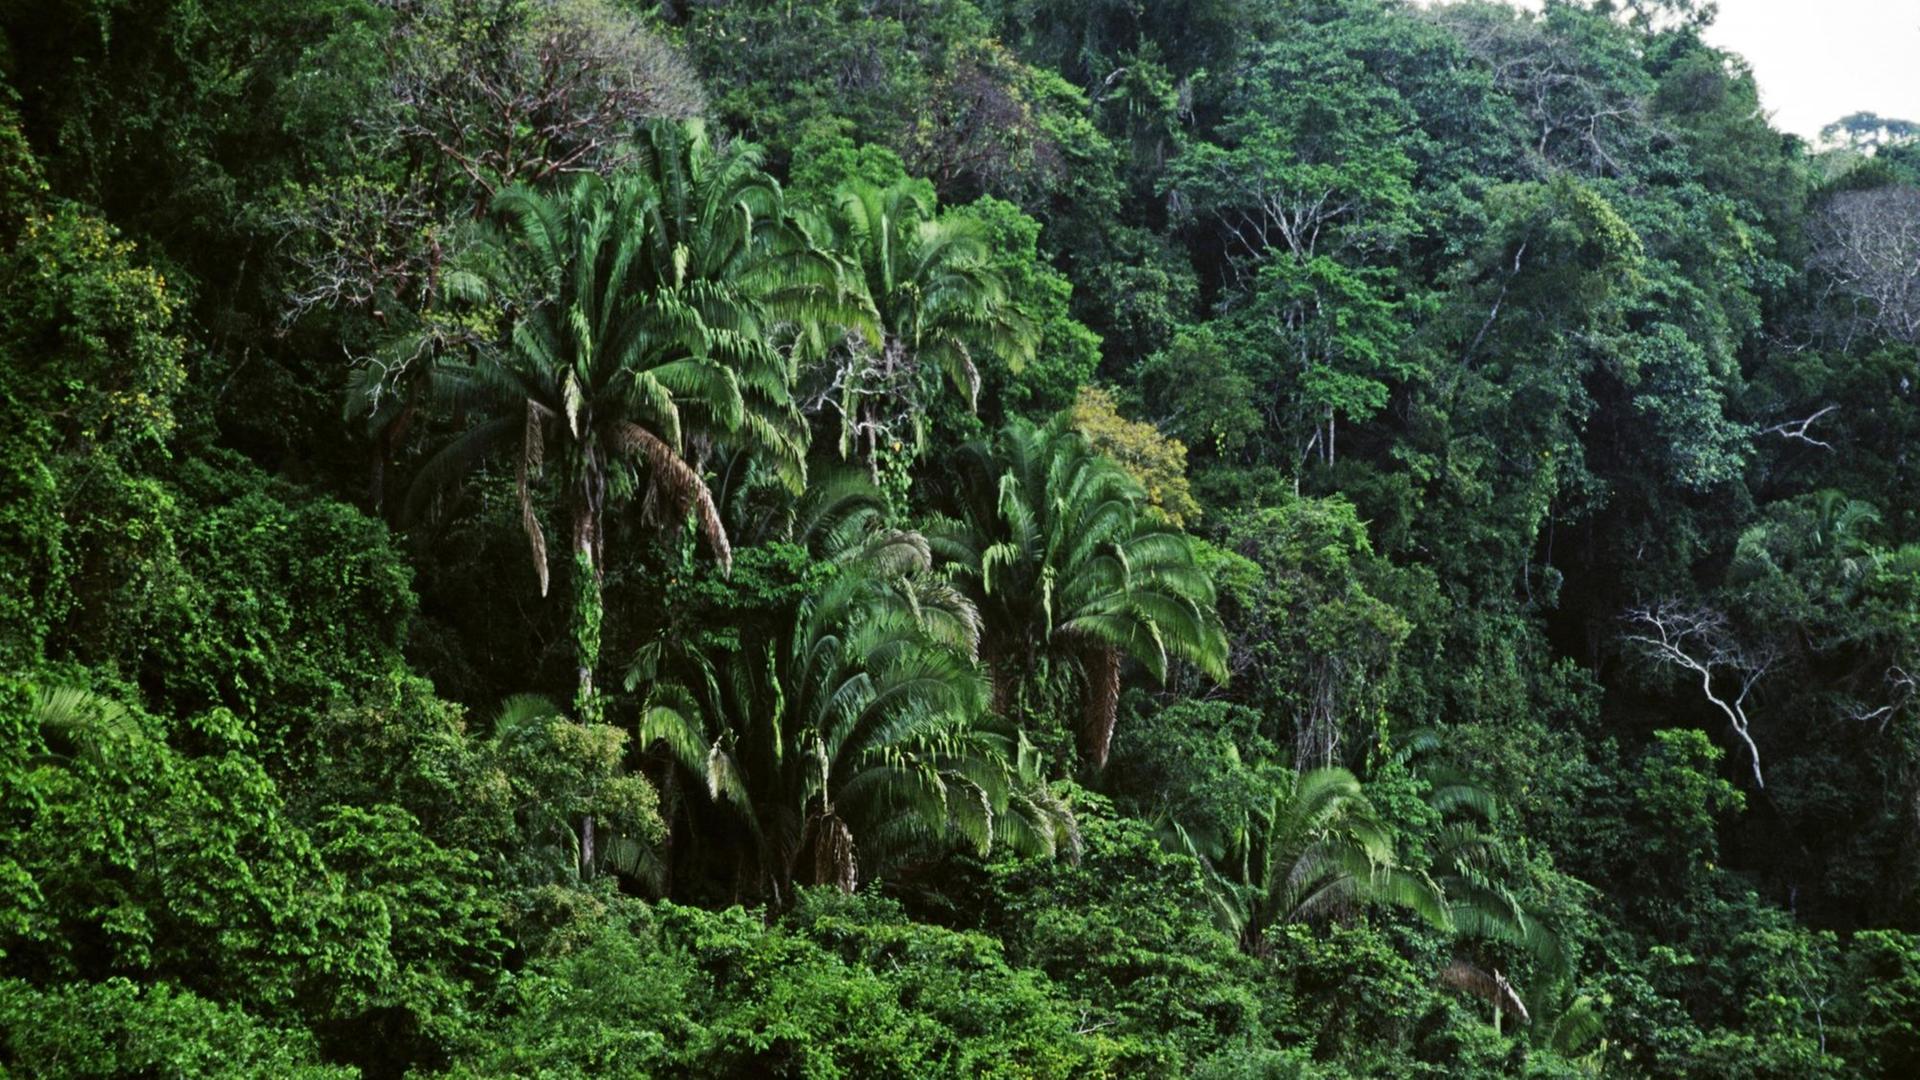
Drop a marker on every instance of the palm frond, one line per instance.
(94, 723)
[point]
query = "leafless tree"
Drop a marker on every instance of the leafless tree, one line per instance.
(1901, 688)
(476, 96)
(873, 390)
(1866, 251)
(533, 89)
(1580, 118)
(360, 244)
(1699, 641)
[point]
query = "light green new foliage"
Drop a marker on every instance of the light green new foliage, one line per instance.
(854, 734)
(561, 771)
(652, 306)
(1068, 565)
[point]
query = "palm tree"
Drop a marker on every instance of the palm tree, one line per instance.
(852, 736)
(1481, 908)
(1314, 851)
(649, 341)
(1067, 565)
(1467, 867)
(937, 300)
(1469, 871)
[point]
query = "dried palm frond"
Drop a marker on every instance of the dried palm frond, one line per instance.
(1491, 987)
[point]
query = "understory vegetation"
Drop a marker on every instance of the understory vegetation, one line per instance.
(1219, 538)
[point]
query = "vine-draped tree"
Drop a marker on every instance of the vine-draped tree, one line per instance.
(1067, 564)
(646, 312)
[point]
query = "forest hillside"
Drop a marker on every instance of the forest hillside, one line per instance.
(1028, 538)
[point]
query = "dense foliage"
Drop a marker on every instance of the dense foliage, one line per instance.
(1281, 538)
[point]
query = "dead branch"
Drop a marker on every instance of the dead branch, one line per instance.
(1698, 640)
(1797, 429)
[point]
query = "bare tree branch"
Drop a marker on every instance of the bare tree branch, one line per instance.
(1797, 429)
(1902, 686)
(536, 89)
(1866, 250)
(873, 391)
(1698, 640)
(1581, 118)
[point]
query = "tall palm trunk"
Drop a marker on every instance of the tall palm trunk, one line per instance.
(1003, 679)
(586, 637)
(826, 843)
(385, 446)
(586, 606)
(1101, 663)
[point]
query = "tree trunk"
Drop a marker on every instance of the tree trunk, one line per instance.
(377, 478)
(586, 611)
(386, 445)
(1002, 679)
(586, 845)
(827, 854)
(1102, 666)
(586, 639)
(669, 786)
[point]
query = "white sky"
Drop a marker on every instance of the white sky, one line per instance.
(1817, 60)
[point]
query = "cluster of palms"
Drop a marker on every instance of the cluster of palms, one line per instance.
(642, 315)
(652, 330)
(1070, 573)
(653, 326)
